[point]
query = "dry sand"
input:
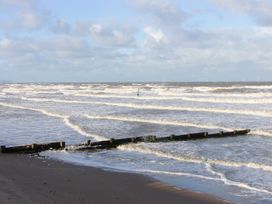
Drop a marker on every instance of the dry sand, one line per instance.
(30, 180)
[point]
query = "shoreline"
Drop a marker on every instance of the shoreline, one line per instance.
(28, 179)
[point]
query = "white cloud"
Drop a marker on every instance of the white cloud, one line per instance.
(112, 36)
(154, 46)
(22, 4)
(95, 29)
(157, 35)
(259, 10)
(212, 50)
(30, 20)
(5, 43)
(61, 26)
(23, 15)
(164, 10)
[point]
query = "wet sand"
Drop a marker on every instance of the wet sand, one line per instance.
(30, 180)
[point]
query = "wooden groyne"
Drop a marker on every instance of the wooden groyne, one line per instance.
(113, 143)
(33, 148)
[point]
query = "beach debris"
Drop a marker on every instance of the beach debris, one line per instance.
(113, 143)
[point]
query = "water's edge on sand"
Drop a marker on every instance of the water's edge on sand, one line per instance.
(28, 179)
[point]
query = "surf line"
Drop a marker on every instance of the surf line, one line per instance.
(124, 96)
(147, 150)
(220, 178)
(174, 123)
(182, 98)
(158, 107)
(207, 162)
(228, 100)
(159, 122)
(66, 119)
(229, 182)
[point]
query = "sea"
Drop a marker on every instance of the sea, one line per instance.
(237, 169)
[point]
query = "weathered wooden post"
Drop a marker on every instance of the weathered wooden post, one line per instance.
(62, 144)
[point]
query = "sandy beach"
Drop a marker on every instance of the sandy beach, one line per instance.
(27, 179)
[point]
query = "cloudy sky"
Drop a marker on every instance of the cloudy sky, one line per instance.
(135, 40)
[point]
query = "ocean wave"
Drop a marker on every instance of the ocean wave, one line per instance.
(229, 100)
(217, 98)
(260, 133)
(216, 95)
(159, 107)
(65, 118)
(123, 96)
(159, 122)
(234, 88)
(220, 177)
(207, 162)
(235, 183)
(146, 150)
(175, 123)
(174, 173)
(150, 92)
(81, 131)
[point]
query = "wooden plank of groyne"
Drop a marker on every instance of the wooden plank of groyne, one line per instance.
(229, 134)
(202, 135)
(113, 143)
(33, 148)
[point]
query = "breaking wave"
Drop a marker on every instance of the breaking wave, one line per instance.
(159, 122)
(158, 107)
(235, 183)
(257, 100)
(174, 123)
(66, 119)
(229, 100)
(147, 150)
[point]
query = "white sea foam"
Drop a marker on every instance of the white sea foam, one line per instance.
(173, 173)
(147, 150)
(234, 87)
(45, 112)
(79, 129)
(158, 107)
(20, 89)
(153, 121)
(65, 118)
(220, 178)
(164, 93)
(229, 100)
(215, 95)
(261, 133)
(123, 96)
(175, 123)
(254, 132)
(254, 99)
(235, 183)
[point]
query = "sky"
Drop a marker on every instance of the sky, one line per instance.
(135, 40)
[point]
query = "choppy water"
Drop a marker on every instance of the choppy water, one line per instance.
(237, 169)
